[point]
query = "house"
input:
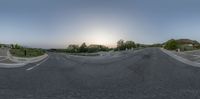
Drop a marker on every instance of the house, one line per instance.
(187, 44)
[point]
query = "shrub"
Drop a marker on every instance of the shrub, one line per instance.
(130, 45)
(171, 45)
(83, 48)
(73, 48)
(27, 52)
(121, 45)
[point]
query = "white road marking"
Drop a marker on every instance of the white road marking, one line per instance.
(38, 64)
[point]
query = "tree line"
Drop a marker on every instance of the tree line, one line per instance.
(124, 45)
(83, 48)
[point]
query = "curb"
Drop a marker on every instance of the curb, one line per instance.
(25, 60)
(181, 59)
(15, 65)
(21, 61)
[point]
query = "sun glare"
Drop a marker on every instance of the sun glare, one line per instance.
(101, 36)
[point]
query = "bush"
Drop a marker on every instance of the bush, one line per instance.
(27, 52)
(86, 49)
(83, 48)
(96, 48)
(171, 45)
(130, 45)
(73, 48)
(16, 46)
(121, 45)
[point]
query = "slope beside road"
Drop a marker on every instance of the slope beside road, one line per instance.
(147, 74)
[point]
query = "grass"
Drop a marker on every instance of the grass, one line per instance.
(27, 52)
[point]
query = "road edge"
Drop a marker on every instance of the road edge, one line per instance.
(20, 62)
(181, 59)
(25, 60)
(14, 65)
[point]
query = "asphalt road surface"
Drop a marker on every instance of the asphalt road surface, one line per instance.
(147, 74)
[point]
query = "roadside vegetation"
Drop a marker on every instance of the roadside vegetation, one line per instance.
(181, 44)
(171, 45)
(93, 48)
(19, 51)
(3, 45)
(122, 45)
(73, 48)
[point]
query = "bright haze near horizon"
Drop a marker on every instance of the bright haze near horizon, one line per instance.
(57, 23)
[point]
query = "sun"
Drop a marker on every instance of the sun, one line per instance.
(101, 36)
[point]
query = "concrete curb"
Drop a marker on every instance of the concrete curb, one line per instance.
(25, 60)
(21, 61)
(15, 65)
(181, 59)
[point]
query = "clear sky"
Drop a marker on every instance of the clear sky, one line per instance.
(57, 23)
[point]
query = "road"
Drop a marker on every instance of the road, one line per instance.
(147, 74)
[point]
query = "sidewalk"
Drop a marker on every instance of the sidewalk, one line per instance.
(191, 57)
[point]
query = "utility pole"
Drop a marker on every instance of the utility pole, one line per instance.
(25, 52)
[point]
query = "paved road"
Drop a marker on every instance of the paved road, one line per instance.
(147, 74)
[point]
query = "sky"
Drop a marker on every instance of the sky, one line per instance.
(58, 23)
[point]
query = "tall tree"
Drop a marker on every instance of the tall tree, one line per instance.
(120, 45)
(83, 47)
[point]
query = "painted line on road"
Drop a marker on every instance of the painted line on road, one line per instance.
(38, 64)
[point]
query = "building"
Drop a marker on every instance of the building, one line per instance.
(187, 44)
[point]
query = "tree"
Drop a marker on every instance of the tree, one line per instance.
(25, 52)
(96, 48)
(103, 48)
(120, 45)
(17, 46)
(12, 46)
(137, 45)
(171, 45)
(73, 48)
(130, 45)
(83, 48)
